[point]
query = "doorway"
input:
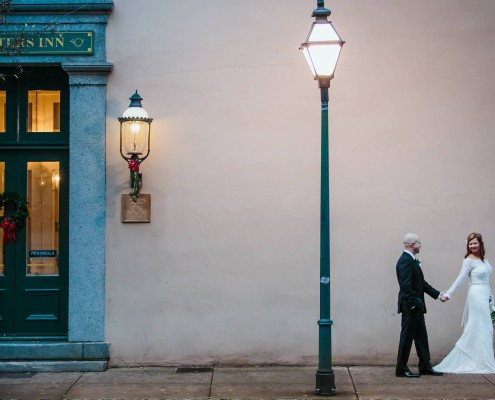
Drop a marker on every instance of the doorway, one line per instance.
(34, 262)
(34, 165)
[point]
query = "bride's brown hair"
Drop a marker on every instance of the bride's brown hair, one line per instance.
(472, 236)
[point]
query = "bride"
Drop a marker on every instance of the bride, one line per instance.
(473, 352)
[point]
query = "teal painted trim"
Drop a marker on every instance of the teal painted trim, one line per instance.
(88, 71)
(31, 146)
(75, 7)
(53, 366)
(27, 339)
(54, 351)
(95, 351)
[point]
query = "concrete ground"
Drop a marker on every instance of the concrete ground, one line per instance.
(359, 383)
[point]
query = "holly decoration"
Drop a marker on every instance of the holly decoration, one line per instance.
(135, 178)
(134, 165)
(12, 222)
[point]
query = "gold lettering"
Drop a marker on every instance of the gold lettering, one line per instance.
(27, 43)
(46, 42)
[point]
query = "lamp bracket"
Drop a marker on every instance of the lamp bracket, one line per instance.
(134, 156)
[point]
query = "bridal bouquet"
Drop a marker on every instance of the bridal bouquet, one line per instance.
(492, 310)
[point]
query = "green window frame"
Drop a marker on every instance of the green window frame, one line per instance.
(17, 110)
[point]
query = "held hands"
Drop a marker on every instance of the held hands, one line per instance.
(444, 297)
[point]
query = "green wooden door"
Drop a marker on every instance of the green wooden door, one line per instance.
(34, 268)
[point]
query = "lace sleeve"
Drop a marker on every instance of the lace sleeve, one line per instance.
(466, 269)
(492, 299)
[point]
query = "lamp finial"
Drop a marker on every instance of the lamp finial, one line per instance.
(321, 11)
(135, 100)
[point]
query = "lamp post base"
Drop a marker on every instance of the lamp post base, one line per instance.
(325, 384)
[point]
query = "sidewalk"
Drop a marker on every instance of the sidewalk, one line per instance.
(357, 383)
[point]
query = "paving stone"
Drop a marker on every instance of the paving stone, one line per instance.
(275, 383)
(222, 383)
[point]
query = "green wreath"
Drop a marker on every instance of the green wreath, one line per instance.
(10, 223)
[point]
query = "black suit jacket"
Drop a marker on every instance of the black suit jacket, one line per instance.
(412, 284)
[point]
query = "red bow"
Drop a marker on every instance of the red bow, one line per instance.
(8, 227)
(133, 165)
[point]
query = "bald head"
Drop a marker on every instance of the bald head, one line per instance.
(412, 243)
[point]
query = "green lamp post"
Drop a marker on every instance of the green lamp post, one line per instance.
(322, 49)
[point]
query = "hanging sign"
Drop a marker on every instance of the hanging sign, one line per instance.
(44, 43)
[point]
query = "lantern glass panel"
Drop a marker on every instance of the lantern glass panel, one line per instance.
(323, 33)
(135, 136)
(322, 58)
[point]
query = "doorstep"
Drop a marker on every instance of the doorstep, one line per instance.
(36, 356)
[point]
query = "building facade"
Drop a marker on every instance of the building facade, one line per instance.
(54, 102)
(227, 269)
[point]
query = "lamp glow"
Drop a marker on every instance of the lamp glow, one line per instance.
(323, 45)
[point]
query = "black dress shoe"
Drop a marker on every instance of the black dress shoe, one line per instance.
(406, 374)
(431, 372)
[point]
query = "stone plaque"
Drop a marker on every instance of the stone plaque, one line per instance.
(136, 211)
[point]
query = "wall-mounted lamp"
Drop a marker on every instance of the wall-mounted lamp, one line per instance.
(55, 179)
(135, 127)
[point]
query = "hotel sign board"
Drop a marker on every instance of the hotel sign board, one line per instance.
(48, 43)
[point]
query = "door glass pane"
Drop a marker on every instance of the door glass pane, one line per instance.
(3, 111)
(43, 111)
(42, 242)
(2, 189)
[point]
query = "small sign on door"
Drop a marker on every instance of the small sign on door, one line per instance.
(42, 253)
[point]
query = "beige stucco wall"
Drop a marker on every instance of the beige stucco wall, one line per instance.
(228, 269)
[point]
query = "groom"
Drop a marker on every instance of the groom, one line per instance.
(412, 306)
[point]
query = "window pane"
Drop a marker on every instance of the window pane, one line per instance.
(43, 111)
(2, 189)
(3, 111)
(42, 228)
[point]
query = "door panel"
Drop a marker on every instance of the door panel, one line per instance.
(35, 279)
(7, 278)
(43, 196)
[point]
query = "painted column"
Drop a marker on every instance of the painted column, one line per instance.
(87, 201)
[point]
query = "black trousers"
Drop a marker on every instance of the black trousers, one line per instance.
(413, 328)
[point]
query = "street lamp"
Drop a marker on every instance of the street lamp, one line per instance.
(321, 49)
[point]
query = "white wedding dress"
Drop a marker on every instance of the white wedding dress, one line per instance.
(473, 353)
